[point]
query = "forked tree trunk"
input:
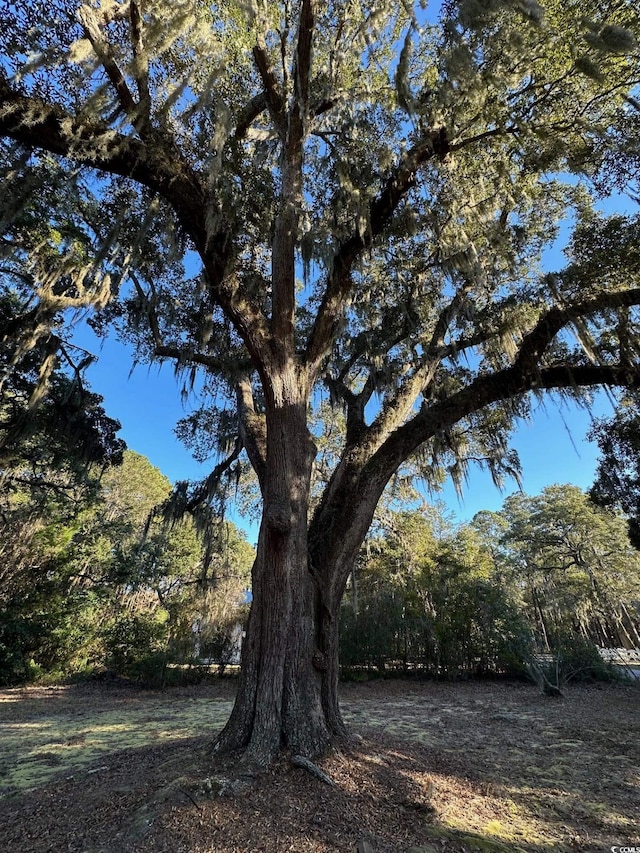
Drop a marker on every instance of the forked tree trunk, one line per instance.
(287, 692)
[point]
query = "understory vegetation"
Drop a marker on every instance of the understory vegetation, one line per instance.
(542, 583)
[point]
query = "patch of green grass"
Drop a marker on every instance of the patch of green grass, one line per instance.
(35, 751)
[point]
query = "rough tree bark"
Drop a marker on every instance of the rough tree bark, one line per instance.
(279, 699)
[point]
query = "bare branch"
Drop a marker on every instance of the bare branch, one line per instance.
(77, 368)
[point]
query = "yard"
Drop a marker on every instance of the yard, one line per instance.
(444, 768)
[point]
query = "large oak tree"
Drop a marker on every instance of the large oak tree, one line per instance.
(344, 199)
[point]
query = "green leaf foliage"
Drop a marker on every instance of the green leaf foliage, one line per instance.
(430, 605)
(578, 573)
(536, 587)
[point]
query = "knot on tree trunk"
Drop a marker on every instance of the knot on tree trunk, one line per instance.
(278, 516)
(319, 661)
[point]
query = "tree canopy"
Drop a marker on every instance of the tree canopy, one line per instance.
(342, 201)
(574, 563)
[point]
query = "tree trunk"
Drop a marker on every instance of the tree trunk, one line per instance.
(287, 693)
(288, 688)
(631, 623)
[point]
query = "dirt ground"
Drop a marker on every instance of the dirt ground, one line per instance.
(439, 768)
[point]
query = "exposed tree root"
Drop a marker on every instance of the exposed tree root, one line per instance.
(310, 767)
(541, 679)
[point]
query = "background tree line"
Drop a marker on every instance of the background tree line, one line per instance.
(88, 584)
(547, 575)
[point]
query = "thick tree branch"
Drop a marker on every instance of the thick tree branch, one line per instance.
(447, 315)
(272, 94)
(249, 114)
(38, 124)
(184, 355)
(526, 374)
(364, 471)
(455, 348)
(141, 64)
(358, 482)
(302, 72)
(253, 430)
(328, 104)
(465, 142)
(368, 344)
(396, 408)
(355, 404)
(484, 391)
(555, 319)
(381, 210)
(286, 225)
